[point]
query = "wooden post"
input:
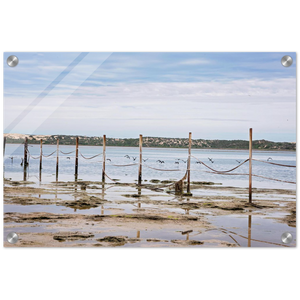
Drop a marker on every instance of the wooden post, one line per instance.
(25, 152)
(250, 165)
(41, 153)
(76, 157)
(57, 158)
(188, 189)
(249, 229)
(141, 157)
(4, 142)
(103, 156)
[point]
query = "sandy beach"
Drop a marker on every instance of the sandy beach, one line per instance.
(86, 213)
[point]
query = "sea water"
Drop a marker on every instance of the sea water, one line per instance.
(168, 169)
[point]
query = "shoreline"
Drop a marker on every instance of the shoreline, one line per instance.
(169, 148)
(85, 213)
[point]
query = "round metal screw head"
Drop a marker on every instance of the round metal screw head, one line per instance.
(286, 237)
(12, 237)
(286, 61)
(12, 61)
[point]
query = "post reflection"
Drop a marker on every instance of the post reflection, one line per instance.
(249, 229)
(138, 234)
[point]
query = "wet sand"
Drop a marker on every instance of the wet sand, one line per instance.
(73, 214)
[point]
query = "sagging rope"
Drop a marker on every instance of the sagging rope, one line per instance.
(174, 170)
(123, 165)
(274, 179)
(89, 157)
(254, 175)
(217, 170)
(66, 153)
(32, 156)
(49, 154)
(271, 163)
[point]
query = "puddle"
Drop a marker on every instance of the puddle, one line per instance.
(253, 230)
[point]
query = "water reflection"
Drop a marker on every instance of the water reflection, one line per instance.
(249, 229)
(138, 234)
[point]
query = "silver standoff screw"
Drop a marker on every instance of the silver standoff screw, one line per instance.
(286, 237)
(12, 237)
(286, 61)
(12, 61)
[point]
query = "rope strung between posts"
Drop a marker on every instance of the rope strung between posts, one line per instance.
(274, 179)
(245, 174)
(108, 177)
(49, 154)
(32, 156)
(66, 153)
(174, 170)
(89, 157)
(123, 165)
(271, 163)
(217, 170)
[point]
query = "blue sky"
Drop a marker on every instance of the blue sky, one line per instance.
(214, 95)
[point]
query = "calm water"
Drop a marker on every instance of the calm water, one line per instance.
(92, 169)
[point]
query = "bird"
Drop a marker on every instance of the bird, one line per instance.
(21, 162)
(144, 160)
(239, 161)
(68, 157)
(127, 156)
(177, 162)
(108, 159)
(12, 158)
(198, 162)
(160, 161)
(211, 160)
(184, 161)
(270, 158)
(134, 158)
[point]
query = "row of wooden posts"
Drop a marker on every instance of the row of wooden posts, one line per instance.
(140, 160)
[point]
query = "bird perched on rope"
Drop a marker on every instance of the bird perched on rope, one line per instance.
(211, 160)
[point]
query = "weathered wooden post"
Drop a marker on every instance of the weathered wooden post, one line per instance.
(249, 229)
(25, 152)
(76, 157)
(57, 157)
(103, 156)
(141, 157)
(4, 143)
(41, 153)
(188, 189)
(250, 165)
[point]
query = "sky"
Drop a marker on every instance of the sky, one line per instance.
(213, 95)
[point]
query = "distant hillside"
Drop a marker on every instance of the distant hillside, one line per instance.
(151, 142)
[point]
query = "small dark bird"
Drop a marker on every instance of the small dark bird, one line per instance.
(108, 159)
(184, 161)
(68, 157)
(177, 162)
(270, 158)
(239, 161)
(127, 156)
(211, 160)
(21, 162)
(134, 158)
(144, 160)
(198, 162)
(160, 161)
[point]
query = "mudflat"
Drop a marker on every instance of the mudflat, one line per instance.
(90, 214)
